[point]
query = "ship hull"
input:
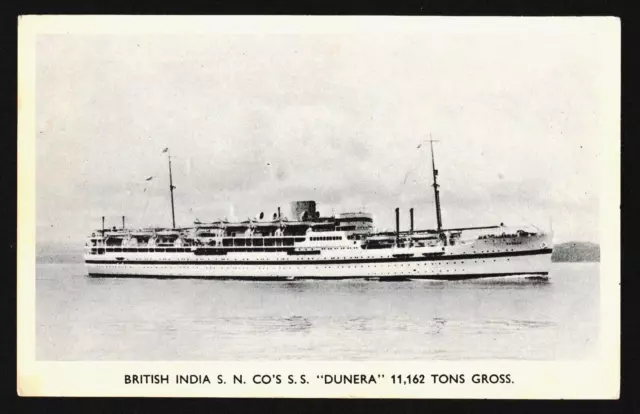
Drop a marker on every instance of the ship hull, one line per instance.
(375, 265)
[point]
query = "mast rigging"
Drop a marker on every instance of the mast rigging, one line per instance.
(435, 186)
(171, 187)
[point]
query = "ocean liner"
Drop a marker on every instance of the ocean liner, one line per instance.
(302, 244)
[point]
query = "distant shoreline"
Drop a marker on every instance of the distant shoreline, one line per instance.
(575, 252)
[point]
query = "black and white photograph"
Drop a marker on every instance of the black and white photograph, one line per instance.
(324, 189)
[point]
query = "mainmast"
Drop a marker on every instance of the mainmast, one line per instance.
(435, 187)
(171, 187)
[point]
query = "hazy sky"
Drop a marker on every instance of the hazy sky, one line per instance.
(256, 121)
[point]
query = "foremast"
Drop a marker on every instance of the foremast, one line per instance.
(435, 186)
(171, 187)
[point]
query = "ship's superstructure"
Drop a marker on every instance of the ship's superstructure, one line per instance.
(305, 244)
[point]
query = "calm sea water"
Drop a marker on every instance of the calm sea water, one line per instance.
(82, 318)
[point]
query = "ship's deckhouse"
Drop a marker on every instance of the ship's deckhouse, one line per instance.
(277, 234)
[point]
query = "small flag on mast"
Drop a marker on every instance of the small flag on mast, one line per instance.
(165, 150)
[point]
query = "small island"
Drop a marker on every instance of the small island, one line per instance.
(576, 252)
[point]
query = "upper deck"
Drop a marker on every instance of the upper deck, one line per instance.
(311, 232)
(279, 233)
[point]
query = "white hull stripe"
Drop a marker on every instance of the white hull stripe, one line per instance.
(323, 261)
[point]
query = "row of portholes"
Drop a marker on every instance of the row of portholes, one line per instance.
(337, 248)
(369, 264)
(119, 264)
(284, 259)
(317, 267)
(297, 267)
(325, 238)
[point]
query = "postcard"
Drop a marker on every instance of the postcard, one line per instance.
(319, 206)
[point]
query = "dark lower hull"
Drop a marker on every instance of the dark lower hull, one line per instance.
(529, 275)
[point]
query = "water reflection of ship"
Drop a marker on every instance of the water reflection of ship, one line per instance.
(297, 324)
